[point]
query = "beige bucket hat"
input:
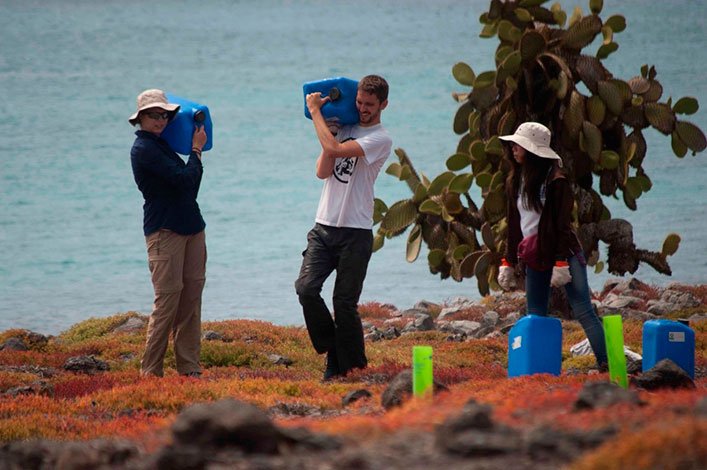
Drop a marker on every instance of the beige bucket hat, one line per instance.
(152, 98)
(535, 138)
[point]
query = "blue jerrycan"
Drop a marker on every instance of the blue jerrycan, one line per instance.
(180, 130)
(535, 346)
(667, 339)
(342, 92)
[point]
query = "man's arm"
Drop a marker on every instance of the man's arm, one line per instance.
(325, 166)
(331, 148)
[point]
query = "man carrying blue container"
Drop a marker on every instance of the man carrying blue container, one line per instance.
(342, 237)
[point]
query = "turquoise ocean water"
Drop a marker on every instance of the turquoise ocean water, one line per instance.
(71, 243)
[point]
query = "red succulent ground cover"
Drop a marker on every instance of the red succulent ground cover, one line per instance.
(39, 399)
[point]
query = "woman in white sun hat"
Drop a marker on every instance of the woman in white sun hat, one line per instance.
(540, 234)
(174, 234)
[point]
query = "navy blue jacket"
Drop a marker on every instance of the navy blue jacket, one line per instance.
(168, 185)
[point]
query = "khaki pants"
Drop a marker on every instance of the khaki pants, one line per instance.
(178, 268)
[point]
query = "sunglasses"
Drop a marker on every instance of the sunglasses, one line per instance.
(155, 115)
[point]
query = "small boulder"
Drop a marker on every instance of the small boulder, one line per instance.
(613, 301)
(545, 442)
(305, 439)
(462, 327)
(226, 423)
(659, 307)
(473, 433)
(621, 286)
(85, 365)
(665, 374)
(374, 335)
(489, 319)
(602, 395)
(280, 360)
(210, 335)
(422, 322)
(355, 396)
(40, 387)
(294, 409)
(391, 333)
(13, 344)
(680, 300)
(426, 306)
(131, 325)
(400, 390)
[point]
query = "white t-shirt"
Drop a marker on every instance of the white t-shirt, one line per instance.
(529, 217)
(347, 196)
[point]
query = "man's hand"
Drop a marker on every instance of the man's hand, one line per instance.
(315, 101)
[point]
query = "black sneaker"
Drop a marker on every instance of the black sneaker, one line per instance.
(332, 366)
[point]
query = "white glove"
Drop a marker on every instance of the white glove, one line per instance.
(506, 278)
(560, 276)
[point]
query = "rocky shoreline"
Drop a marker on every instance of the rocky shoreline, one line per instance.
(230, 433)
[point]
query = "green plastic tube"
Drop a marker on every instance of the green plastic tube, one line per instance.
(614, 336)
(422, 380)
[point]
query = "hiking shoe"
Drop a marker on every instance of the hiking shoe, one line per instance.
(194, 375)
(332, 366)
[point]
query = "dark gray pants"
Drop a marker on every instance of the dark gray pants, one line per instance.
(346, 250)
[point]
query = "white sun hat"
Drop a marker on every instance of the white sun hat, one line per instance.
(535, 138)
(152, 98)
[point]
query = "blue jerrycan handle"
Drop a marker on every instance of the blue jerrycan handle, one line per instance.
(180, 130)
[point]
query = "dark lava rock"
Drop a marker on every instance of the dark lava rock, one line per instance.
(226, 423)
(39, 387)
(305, 439)
(294, 409)
(546, 442)
(280, 360)
(212, 336)
(355, 396)
(665, 374)
(131, 325)
(13, 344)
(474, 434)
(43, 453)
(604, 394)
(400, 390)
(85, 364)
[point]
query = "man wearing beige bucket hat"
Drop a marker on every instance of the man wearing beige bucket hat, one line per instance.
(174, 234)
(540, 237)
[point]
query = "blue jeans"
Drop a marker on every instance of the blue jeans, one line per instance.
(537, 295)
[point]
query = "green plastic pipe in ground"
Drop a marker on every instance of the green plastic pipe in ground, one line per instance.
(614, 335)
(422, 379)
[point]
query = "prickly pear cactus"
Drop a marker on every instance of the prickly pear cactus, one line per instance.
(540, 62)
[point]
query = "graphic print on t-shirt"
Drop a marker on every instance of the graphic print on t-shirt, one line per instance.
(345, 166)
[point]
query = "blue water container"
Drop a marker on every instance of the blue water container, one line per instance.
(342, 92)
(180, 130)
(667, 339)
(535, 346)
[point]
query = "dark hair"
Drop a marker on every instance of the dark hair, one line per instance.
(534, 172)
(374, 85)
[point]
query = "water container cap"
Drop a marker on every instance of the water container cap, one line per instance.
(334, 94)
(199, 116)
(684, 321)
